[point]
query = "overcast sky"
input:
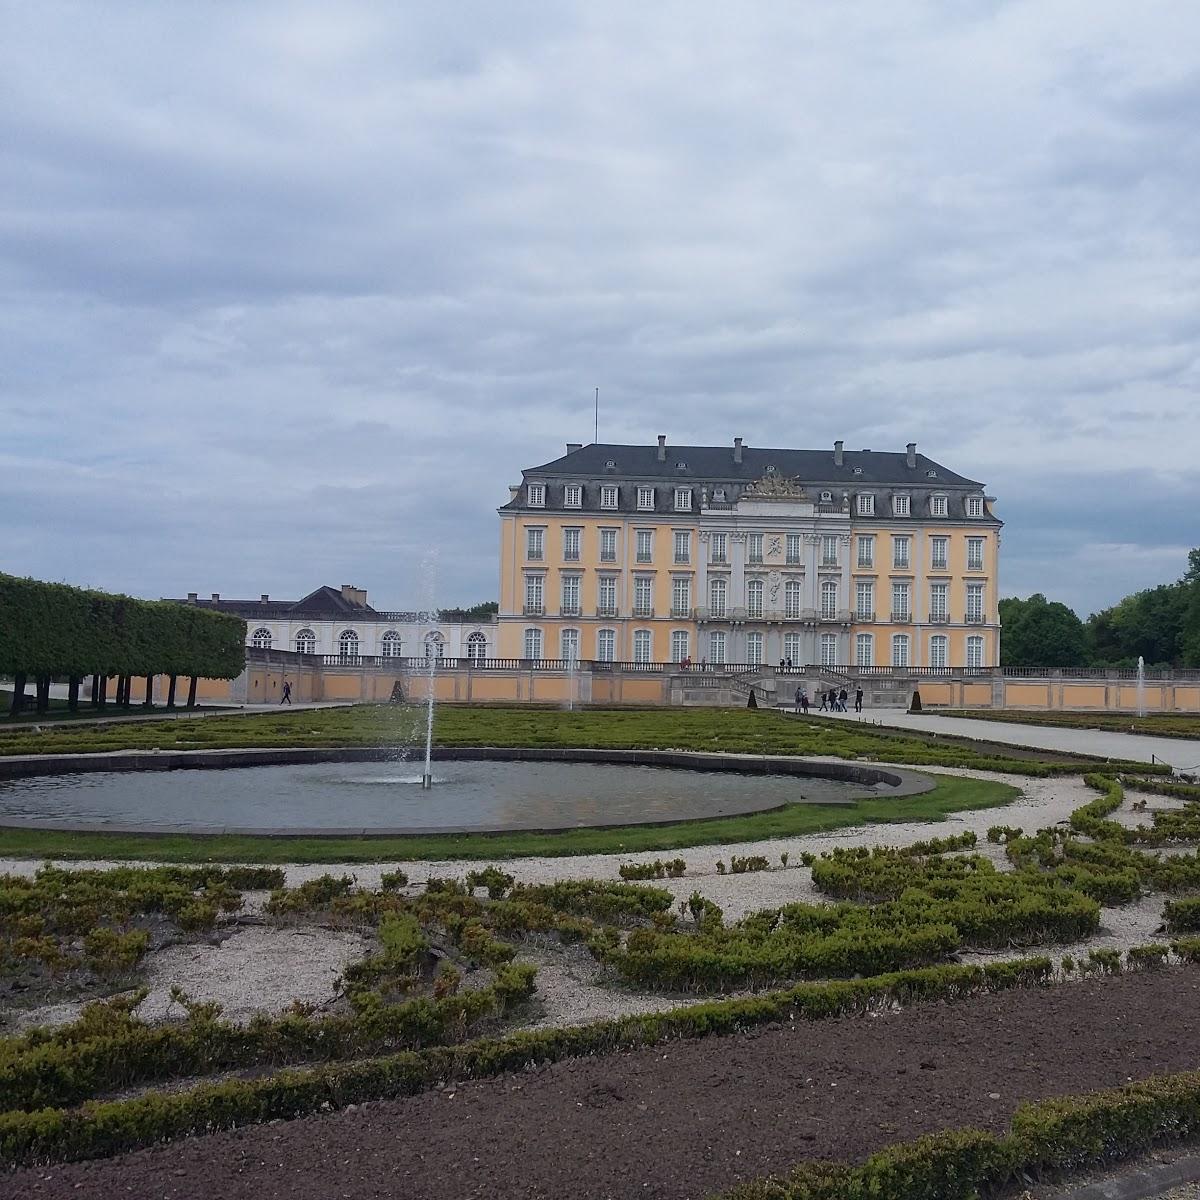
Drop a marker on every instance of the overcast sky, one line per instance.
(289, 295)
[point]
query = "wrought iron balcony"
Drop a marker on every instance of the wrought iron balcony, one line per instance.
(534, 610)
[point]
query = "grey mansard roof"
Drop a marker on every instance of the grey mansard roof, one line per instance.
(716, 464)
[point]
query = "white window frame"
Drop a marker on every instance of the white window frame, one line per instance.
(975, 651)
(643, 646)
(391, 644)
(975, 553)
(532, 644)
(866, 550)
(680, 642)
(974, 506)
(939, 651)
(306, 641)
(535, 594)
(864, 600)
(755, 590)
(754, 547)
(866, 505)
(609, 495)
(755, 649)
(683, 499)
(792, 643)
(569, 644)
(535, 544)
(476, 647)
(976, 603)
(718, 598)
(606, 595)
(572, 544)
(537, 495)
(608, 545)
(901, 506)
(718, 549)
(939, 562)
(795, 549)
(939, 505)
(573, 495)
(901, 650)
(606, 645)
(645, 536)
(262, 638)
(829, 550)
(939, 601)
(570, 592)
(901, 612)
(681, 596)
(716, 647)
(349, 645)
(643, 584)
(645, 498)
(681, 546)
(829, 599)
(864, 649)
(901, 552)
(828, 649)
(793, 599)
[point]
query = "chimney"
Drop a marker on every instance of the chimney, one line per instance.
(215, 597)
(573, 446)
(354, 594)
(911, 450)
(662, 447)
(838, 458)
(514, 490)
(265, 597)
(193, 597)
(737, 450)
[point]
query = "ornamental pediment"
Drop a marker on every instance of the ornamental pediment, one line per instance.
(774, 486)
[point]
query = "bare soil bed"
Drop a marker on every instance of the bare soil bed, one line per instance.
(683, 1121)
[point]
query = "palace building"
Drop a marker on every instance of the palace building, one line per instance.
(739, 555)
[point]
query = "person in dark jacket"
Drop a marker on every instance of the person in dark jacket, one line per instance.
(858, 699)
(843, 696)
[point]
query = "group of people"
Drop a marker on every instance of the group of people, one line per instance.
(832, 700)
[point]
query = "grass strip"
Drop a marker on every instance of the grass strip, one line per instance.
(952, 794)
(99, 1129)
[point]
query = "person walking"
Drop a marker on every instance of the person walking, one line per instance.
(286, 698)
(799, 694)
(858, 698)
(843, 696)
(804, 703)
(824, 701)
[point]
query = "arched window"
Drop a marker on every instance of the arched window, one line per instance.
(828, 599)
(306, 642)
(754, 649)
(829, 649)
(348, 646)
(261, 639)
(975, 651)
(899, 649)
(939, 650)
(716, 647)
(390, 644)
(434, 646)
(569, 645)
(606, 645)
(642, 646)
(477, 647)
(533, 643)
(679, 645)
(791, 600)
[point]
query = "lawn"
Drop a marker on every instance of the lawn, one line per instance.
(1175, 725)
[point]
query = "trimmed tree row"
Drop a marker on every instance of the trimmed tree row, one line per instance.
(51, 630)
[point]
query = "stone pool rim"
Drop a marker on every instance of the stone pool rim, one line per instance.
(901, 782)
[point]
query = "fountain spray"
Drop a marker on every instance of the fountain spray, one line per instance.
(431, 663)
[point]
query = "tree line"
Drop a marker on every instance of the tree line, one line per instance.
(53, 631)
(1160, 624)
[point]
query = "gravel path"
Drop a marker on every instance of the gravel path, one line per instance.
(682, 1121)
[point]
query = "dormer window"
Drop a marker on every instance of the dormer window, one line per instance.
(826, 497)
(866, 506)
(573, 495)
(857, 470)
(974, 506)
(681, 466)
(931, 474)
(645, 499)
(719, 495)
(610, 465)
(683, 499)
(938, 506)
(537, 495)
(900, 506)
(608, 495)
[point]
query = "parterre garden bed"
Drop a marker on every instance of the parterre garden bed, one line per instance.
(1176, 725)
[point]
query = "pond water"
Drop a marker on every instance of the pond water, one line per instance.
(472, 796)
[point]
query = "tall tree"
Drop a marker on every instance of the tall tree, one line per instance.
(1041, 633)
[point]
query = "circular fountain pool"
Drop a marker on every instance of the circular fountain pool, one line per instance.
(380, 797)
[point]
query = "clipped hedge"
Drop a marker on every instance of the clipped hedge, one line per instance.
(97, 1129)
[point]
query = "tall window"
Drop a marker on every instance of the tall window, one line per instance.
(900, 650)
(683, 499)
(608, 495)
(791, 648)
(535, 541)
(608, 545)
(937, 506)
(829, 599)
(939, 553)
(606, 645)
(717, 589)
(900, 506)
(794, 548)
(974, 506)
(569, 643)
(866, 506)
(975, 651)
(754, 598)
(642, 646)
(683, 546)
(901, 609)
(537, 495)
(974, 554)
(533, 643)
(434, 646)
(645, 545)
(645, 499)
(900, 552)
(348, 645)
(573, 496)
(716, 646)
(716, 548)
(975, 602)
(754, 649)
(306, 642)
(679, 645)
(864, 650)
(864, 601)
(390, 644)
(681, 597)
(829, 551)
(866, 550)
(939, 651)
(535, 602)
(572, 539)
(570, 596)
(754, 547)
(606, 596)
(261, 639)
(476, 647)
(643, 596)
(939, 605)
(791, 599)
(829, 649)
